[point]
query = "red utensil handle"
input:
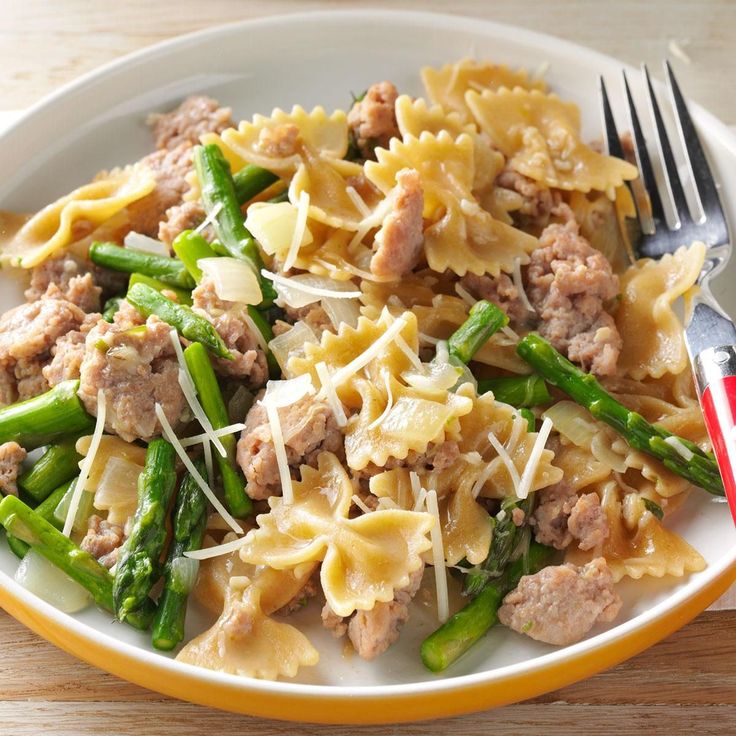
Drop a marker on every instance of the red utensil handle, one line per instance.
(718, 401)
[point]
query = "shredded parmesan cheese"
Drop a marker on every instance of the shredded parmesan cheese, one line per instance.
(358, 201)
(389, 401)
(169, 434)
(277, 437)
(299, 230)
(428, 339)
(358, 501)
(190, 394)
(86, 465)
(196, 439)
(323, 373)
(506, 460)
(416, 485)
(209, 219)
(681, 449)
(306, 288)
(464, 294)
(370, 353)
(438, 559)
(421, 500)
(207, 452)
(262, 344)
(519, 284)
(410, 354)
(220, 549)
(535, 456)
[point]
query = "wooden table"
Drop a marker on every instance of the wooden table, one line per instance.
(686, 684)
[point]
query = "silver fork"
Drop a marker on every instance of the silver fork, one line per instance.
(710, 334)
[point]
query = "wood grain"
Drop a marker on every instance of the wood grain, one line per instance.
(686, 684)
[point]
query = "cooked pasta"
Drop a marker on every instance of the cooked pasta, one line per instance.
(323, 391)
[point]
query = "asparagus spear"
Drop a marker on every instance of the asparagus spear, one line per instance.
(518, 391)
(28, 526)
(250, 181)
(46, 511)
(531, 420)
(182, 295)
(700, 468)
(506, 535)
(58, 464)
(45, 418)
(189, 521)
(484, 319)
(445, 645)
(219, 197)
(111, 307)
(138, 567)
(205, 381)
(169, 270)
(192, 247)
(189, 324)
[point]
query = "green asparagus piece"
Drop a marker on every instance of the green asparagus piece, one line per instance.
(45, 418)
(505, 537)
(189, 521)
(484, 319)
(31, 528)
(531, 420)
(700, 469)
(139, 563)
(46, 511)
(169, 270)
(250, 181)
(84, 509)
(189, 324)
(219, 197)
(518, 391)
(205, 381)
(182, 295)
(192, 247)
(111, 307)
(653, 507)
(445, 645)
(58, 464)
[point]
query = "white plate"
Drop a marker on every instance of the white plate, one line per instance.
(319, 58)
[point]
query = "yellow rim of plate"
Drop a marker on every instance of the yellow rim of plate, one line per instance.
(299, 703)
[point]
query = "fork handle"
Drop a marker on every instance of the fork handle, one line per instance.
(715, 372)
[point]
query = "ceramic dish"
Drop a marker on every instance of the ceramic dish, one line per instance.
(318, 58)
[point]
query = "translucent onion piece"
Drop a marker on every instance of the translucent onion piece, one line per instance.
(184, 573)
(117, 490)
(234, 280)
(37, 575)
(291, 343)
(342, 311)
(273, 226)
(307, 288)
(138, 241)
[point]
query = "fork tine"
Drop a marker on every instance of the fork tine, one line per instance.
(644, 162)
(700, 170)
(672, 176)
(609, 124)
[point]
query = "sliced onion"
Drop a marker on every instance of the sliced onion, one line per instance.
(184, 573)
(273, 224)
(307, 288)
(291, 343)
(285, 393)
(117, 490)
(140, 242)
(234, 280)
(341, 311)
(39, 576)
(434, 376)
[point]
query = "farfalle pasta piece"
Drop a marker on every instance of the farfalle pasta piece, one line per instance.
(245, 641)
(447, 86)
(540, 136)
(364, 560)
(256, 141)
(638, 543)
(652, 333)
(53, 227)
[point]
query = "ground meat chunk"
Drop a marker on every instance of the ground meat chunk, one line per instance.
(279, 142)
(560, 604)
(72, 280)
(27, 335)
(228, 318)
(11, 456)
(372, 120)
(373, 632)
(195, 116)
(67, 354)
(562, 515)
(401, 236)
(538, 200)
(438, 456)
(569, 284)
(137, 370)
(313, 315)
(308, 426)
(103, 540)
(180, 217)
(170, 167)
(501, 291)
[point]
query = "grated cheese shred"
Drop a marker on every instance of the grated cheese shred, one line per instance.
(358, 501)
(389, 401)
(220, 549)
(196, 439)
(682, 450)
(277, 436)
(438, 559)
(534, 457)
(323, 373)
(519, 284)
(299, 229)
(506, 460)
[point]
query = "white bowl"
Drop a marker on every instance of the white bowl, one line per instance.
(319, 58)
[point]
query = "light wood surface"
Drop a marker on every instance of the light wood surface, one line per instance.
(686, 684)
